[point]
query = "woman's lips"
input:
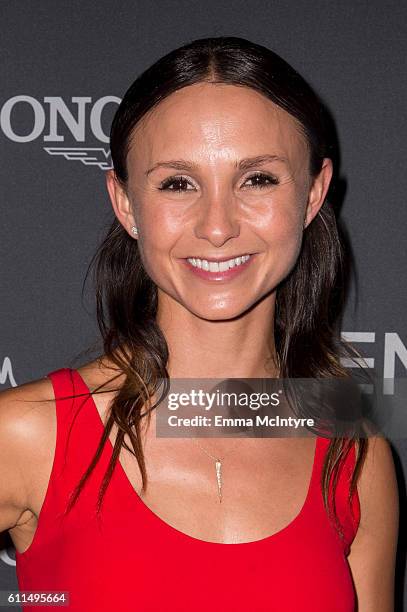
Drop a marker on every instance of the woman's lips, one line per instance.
(226, 275)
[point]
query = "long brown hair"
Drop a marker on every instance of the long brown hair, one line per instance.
(308, 301)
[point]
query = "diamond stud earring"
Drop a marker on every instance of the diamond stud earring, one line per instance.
(134, 230)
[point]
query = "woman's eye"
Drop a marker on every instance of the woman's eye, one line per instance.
(261, 180)
(181, 184)
(176, 183)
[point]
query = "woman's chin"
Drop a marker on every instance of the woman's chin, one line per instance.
(216, 313)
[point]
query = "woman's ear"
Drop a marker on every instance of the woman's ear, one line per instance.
(319, 189)
(120, 202)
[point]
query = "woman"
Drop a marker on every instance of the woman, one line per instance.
(221, 154)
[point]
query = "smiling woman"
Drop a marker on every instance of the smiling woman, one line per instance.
(223, 261)
(234, 210)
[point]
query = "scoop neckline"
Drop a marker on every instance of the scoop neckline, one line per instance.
(132, 493)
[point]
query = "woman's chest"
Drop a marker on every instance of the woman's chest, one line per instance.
(255, 491)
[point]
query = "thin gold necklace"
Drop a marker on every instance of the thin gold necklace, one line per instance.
(218, 466)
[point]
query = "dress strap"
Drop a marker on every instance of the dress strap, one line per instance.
(62, 384)
(77, 438)
(347, 511)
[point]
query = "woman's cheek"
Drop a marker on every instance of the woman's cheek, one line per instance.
(286, 239)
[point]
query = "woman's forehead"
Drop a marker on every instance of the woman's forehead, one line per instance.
(210, 119)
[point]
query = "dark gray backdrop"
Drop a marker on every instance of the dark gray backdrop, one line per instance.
(71, 55)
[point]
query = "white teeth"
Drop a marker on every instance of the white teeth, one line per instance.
(215, 266)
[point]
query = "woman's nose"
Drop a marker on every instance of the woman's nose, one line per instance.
(218, 218)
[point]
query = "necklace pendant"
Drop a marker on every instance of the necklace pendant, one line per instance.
(218, 466)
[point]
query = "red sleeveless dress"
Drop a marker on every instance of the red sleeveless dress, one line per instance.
(130, 560)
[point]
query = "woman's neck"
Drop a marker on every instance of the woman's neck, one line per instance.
(243, 347)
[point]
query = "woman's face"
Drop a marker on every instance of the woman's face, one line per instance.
(217, 172)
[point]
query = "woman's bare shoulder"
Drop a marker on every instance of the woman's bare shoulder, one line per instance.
(373, 552)
(377, 484)
(25, 408)
(27, 441)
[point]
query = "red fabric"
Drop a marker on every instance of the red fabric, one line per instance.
(131, 560)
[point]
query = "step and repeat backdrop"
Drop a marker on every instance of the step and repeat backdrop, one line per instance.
(64, 68)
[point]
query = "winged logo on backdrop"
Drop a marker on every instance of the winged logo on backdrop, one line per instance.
(90, 156)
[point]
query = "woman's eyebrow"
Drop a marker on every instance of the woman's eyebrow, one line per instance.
(178, 164)
(249, 162)
(243, 164)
